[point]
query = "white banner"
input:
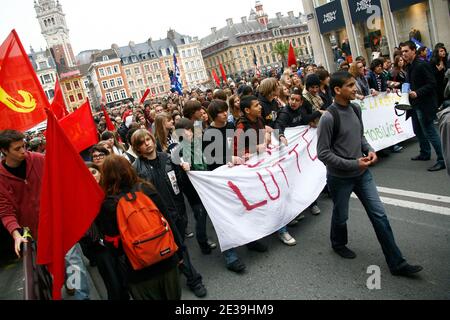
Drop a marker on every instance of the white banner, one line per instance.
(248, 202)
(382, 127)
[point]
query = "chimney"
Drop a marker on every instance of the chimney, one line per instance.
(149, 42)
(279, 15)
(291, 14)
(131, 44)
(213, 30)
(171, 34)
(244, 20)
(229, 22)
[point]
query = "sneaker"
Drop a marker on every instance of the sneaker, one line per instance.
(211, 244)
(287, 239)
(345, 252)
(199, 290)
(257, 246)
(205, 248)
(189, 234)
(315, 210)
(397, 148)
(407, 270)
(236, 266)
(300, 217)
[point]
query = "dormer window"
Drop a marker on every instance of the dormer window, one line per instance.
(133, 59)
(105, 58)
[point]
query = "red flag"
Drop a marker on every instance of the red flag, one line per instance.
(222, 71)
(292, 60)
(58, 106)
(109, 125)
(145, 96)
(22, 100)
(80, 128)
(70, 201)
(216, 78)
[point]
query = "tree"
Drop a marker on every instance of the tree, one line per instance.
(282, 50)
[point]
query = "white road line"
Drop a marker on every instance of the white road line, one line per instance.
(412, 194)
(414, 205)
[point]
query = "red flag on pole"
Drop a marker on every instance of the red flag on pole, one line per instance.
(146, 93)
(80, 128)
(70, 201)
(216, 78)
(222, 71)
(58, 105)
(22, 100)
(109, 125)
(292, 60)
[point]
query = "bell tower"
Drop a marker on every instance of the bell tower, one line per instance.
(261, 16)
(54, 29)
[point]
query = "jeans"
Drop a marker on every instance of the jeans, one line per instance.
(230, 256)
(426, 133)
(200, 215)
(76, 273)
(365, 189)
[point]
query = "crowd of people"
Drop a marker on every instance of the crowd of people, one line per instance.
(138, 157)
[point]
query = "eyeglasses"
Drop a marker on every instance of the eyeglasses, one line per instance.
(98, 156)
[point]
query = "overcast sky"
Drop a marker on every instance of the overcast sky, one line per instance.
(96, 24)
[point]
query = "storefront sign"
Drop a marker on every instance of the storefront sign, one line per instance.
(362, 10)
(400, 4)
(330, 17)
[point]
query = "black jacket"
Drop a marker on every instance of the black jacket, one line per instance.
(269, 110)
(157, 173)
(423, 82)
(288, 118)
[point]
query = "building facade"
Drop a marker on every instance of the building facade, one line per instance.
(373, 28)
(72, 88)
(233, 45)
(106, 79)
(45, 68)
(54, 29)
(192, 60)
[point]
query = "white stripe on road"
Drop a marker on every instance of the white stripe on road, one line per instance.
(412, 194)
(413, 205)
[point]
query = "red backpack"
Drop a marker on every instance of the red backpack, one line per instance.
(146, 235)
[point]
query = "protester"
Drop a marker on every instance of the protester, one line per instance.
(423, 99)
(347, 155)
(439, 65)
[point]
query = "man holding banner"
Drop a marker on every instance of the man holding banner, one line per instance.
(347, 155)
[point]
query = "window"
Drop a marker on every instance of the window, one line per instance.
(131, 84)
(198, 64)
(86, 84)
(186, 66)
(134, 94)
(43, 65)
(68, 87)
(105, 58)
(156, 66)
(112, 83)
(245, 51)
(72, 98)
(183, 54)
(196, 51)
(238, 53)
(123, 94)
(271, 46)
(161, 89)
(140, 82)
(128, 72)
(247, 62)
(196, 76)
(265, 47)
(241, 65)
(158, 78)
(192, 65)
(261, 61)
(102, 72)
(133, 59)
(259, 49)
(307, 51)
(153, 91)
(268, 59)
(189, 53)
(147, 68)
(105, 84)
(50, 93)
(108, 97)
(76, 84)
(274, 59)
(46, 78)
(116, 96)
(116, 69)
(119, 82)
(109, 70)
(150, 80)
(293, 43)
(137, 70)
(80, 96)
(190, 77)
(201, 75)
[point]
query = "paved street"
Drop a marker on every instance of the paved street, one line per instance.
(310, 270)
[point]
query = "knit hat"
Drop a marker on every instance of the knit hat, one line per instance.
(312, 80)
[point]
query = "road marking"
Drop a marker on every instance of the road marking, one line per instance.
(413, 205)
(412, 194)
